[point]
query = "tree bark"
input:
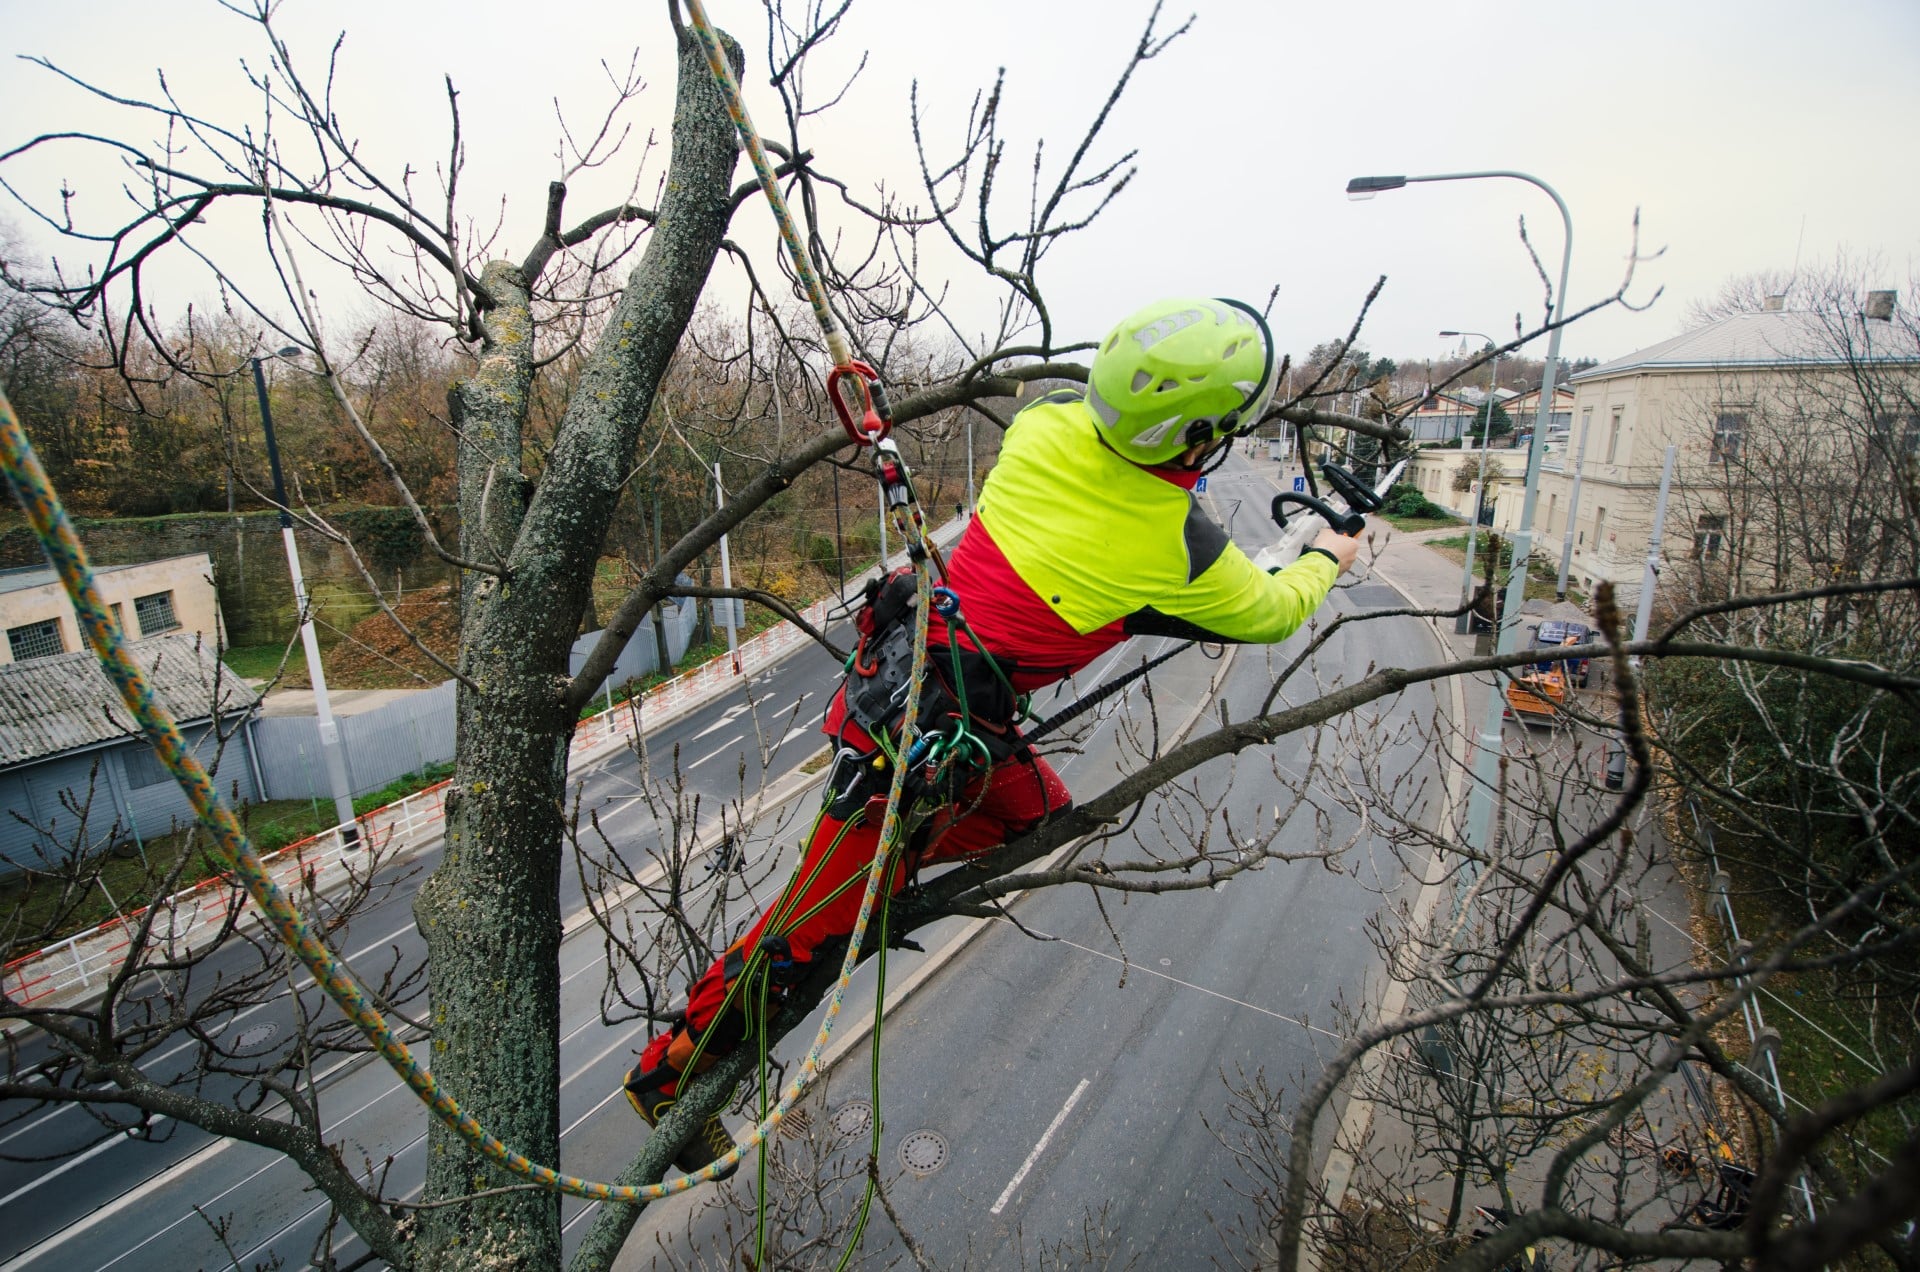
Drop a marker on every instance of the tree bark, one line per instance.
(491, 911)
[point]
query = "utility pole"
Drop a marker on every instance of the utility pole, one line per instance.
(726, 573)
(1643, 612)
(664, 663)
(1573, 513)
(1464, 623)
(330, 750)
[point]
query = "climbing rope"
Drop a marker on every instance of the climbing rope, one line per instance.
(875, 419)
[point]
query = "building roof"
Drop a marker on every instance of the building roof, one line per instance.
(20, 578)
(1770, 339)
(49, 706)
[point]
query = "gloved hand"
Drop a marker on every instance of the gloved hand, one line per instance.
(1342, 549)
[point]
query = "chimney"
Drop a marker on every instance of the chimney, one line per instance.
(1880, 305)
(1776, 303)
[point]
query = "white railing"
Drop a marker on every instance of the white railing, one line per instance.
(82, 963)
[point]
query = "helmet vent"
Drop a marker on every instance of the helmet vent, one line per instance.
(1167, 386)
(1141, 379)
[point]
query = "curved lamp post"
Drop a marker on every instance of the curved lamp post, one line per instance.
(1486, 768)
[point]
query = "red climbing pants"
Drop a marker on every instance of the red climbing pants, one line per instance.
(823, 901)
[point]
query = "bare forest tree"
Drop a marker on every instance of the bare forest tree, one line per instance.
(590, 371)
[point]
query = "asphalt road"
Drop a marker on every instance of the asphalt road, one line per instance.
(1076, 1071)
(1010, 1039)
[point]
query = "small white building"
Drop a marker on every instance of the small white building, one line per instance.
(150, 599)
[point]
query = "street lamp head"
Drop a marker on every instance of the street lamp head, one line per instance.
(1366, 187)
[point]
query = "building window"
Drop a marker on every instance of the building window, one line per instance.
(1613, 434)
(1728, 428)
(142, 768)
(119, 616)
(1706, 536)
(1903, 434)
(155, 613)
(1599, 525)
(36, 640)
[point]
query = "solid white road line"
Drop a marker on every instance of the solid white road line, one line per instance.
(1041, 1147)
(733, 742)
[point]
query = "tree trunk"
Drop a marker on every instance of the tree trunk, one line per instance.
(491, 911)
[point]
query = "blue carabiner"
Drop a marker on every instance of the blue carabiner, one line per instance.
(946, 602)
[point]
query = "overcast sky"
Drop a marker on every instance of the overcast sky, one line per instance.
(1750, 135)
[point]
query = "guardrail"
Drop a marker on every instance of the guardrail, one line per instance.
(84, 962)
(1764, 1039)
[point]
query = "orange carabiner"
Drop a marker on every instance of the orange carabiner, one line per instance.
(875, 423)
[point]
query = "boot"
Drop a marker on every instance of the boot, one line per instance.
(709, 1144)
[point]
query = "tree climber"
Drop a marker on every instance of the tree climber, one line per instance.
(1087, 533)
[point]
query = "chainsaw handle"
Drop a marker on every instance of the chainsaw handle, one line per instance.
(1347, 523)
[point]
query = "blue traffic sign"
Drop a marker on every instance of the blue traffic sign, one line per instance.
(1300, 483)
(1200, 487)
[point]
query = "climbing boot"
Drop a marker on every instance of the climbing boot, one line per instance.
(709, 1144)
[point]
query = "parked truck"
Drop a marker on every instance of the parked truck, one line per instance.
(1537, 692)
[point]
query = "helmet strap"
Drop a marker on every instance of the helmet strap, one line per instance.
(1230, 422)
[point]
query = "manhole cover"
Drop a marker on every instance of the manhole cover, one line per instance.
(254, 1037)
(923, 1152)
(852, 1118)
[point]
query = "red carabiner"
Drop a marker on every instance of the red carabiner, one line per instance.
(872, 427)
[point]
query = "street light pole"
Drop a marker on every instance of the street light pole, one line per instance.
(1465, 622)
(1573, 514)
(1486, 768)
(726, 574)
(330, 749)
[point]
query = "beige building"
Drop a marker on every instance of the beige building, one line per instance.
(174, 595)
(1743, 400)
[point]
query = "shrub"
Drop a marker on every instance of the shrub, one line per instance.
(1407, 501)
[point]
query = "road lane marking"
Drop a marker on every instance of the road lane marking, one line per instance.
(726, 717)
(1041, 1147)
(733, 741)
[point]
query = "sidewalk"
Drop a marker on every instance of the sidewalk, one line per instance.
(1430, 580)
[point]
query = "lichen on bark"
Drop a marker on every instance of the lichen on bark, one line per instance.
(491, 912)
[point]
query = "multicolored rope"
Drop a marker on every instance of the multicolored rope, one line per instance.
(103, 635)
(875, 420)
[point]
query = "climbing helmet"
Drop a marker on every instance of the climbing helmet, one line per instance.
(1180, 373)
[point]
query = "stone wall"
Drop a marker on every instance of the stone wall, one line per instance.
(250, 563)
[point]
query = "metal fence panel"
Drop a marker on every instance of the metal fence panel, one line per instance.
(640, 657)
(390, 741)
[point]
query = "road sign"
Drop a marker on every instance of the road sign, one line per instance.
(1200, 487)
(1300, 483)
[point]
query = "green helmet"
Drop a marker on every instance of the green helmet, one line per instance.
(1180, 373)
